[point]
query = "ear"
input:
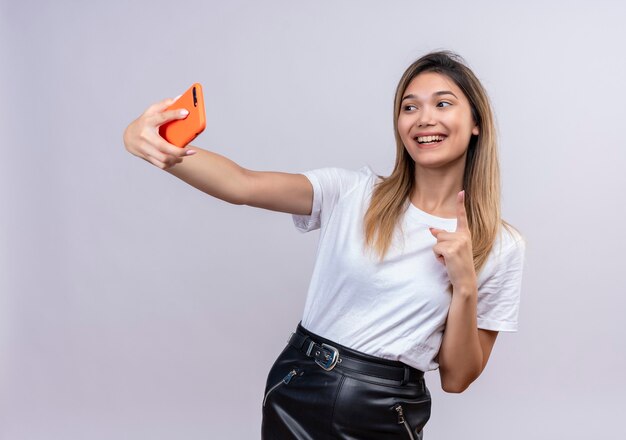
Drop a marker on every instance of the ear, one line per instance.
(475, 130)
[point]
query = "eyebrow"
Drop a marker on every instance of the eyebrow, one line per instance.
(440, 92)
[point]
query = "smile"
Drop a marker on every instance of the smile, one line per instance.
(429, 141)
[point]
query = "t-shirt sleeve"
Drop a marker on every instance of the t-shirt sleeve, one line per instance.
(329, 185)
(499, 296)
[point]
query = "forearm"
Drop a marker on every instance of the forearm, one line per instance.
(460, 355)
(213, 174)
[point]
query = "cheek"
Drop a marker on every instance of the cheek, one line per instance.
(460, 127)
(403, 127)
(401, 135)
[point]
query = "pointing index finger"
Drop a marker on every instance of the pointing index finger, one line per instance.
(461, 215)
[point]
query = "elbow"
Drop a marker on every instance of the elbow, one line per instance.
(457, 384)
(455, 388)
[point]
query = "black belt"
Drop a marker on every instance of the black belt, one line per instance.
(327, 357)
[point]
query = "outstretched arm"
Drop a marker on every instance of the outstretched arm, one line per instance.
(212, 173)
(220, 177)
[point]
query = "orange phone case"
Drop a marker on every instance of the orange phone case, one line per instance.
(180, 132)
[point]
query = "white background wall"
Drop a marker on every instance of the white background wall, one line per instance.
(120, 285)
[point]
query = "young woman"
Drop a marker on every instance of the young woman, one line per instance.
(415, 271)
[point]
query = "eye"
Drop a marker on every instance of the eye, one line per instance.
(444, 102)
(407, 107)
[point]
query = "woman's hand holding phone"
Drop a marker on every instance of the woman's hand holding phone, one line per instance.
(143, 140)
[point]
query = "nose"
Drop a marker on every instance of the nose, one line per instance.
(424, 117)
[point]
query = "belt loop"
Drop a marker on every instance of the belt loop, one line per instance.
(311, 345)
(407, 372)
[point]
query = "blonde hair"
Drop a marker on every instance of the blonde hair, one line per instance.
(481, 179)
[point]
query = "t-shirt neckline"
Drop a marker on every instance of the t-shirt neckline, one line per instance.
(423, 216)
(441, 222)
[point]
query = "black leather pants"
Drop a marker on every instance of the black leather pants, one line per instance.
(304, 401)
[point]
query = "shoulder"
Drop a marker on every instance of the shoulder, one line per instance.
(363, 173)
(339, 173)
(511, 239)
(508, 250)
(343, 179)
(501, 274)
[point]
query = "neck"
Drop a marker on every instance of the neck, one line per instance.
(435, 190)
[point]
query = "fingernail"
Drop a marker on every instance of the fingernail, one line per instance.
(184, 112)
(190, 152)
(176, 99)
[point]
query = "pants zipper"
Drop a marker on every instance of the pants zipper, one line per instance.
(285, 380)
(402, 420)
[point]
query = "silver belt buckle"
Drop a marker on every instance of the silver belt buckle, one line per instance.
(330, 361)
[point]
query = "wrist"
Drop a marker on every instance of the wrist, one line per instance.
(465, 289)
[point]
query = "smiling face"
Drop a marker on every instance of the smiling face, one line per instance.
(434, 105)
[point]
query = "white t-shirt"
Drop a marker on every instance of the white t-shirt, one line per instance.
(396, 309)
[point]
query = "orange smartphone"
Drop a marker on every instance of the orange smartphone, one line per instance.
(180, 132)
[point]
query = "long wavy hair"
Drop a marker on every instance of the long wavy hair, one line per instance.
(481, 179)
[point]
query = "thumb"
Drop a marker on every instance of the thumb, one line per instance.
(435, 231)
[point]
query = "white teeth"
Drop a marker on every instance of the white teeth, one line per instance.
(427, 139)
